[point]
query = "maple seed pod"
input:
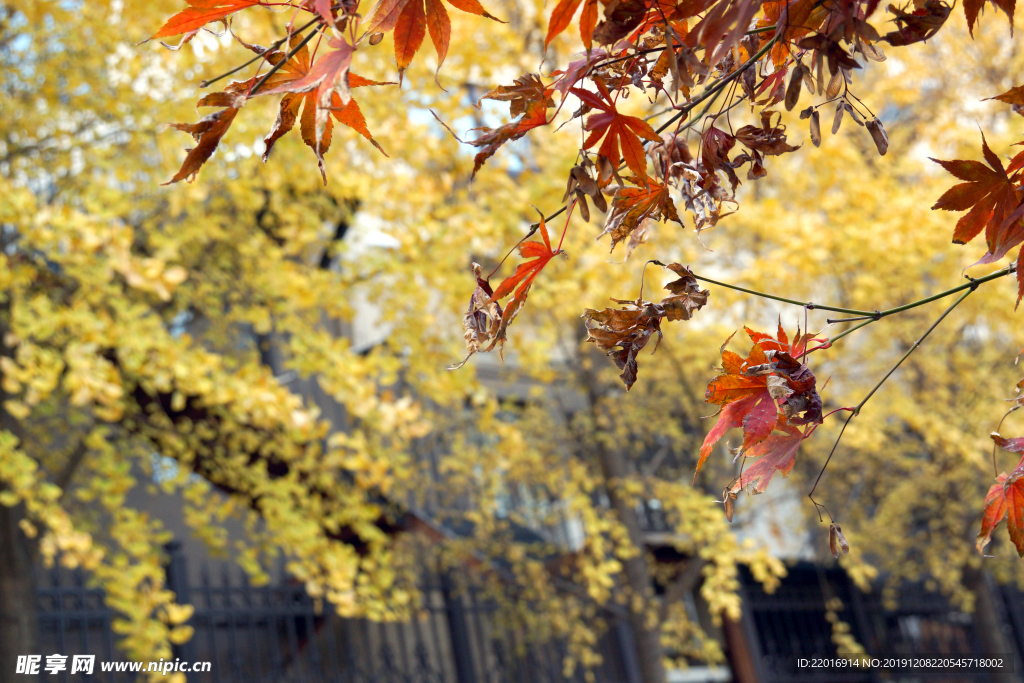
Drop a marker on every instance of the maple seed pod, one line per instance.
(836, 541)
(816, 128)
(376, 38)
(582, 203)
(873, 53)
(729, 499)
(809, 80)
(834, 85)
(878, 135)
(853, 113)
(583, 179)
(600, 203)
(838, 120)
(793, 90)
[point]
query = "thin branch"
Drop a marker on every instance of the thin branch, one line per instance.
(912, 349)
(856, 411)
(807, 304)
(711, 90)
(866, 316)
(995, 469)
(836, 338)
(287, 57)
(273, 46)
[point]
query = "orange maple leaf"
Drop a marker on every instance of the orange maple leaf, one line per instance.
(616, 129)
(563, 14)
(200, 13)
(313, 88)
(755, 389)
(995, 199)
(777, 453)
(1005, 500)
(411, 20)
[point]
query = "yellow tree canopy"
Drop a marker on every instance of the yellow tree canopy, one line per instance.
(148, 319)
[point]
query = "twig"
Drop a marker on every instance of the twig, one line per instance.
(856, 411)
(806, 304)
(711, 90)
(273, 46)
(995, 469)
(287, 57)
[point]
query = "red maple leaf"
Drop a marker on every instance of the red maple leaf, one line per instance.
(1005, 500)
(753, 390)
(519, 282)
(775, 453)
(616, 129)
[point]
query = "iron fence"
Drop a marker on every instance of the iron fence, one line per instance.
(277, 634)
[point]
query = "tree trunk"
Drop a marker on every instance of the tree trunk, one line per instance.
(646, 630)
(990, 621)
(19, 627)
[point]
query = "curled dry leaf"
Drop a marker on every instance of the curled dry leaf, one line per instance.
(484, 332)
(768, 139)
(878, 135)
(922, 23)
(836, 541)
(623, 332)
(482, 320)
(207, 132)
(795, 83)
(631, 206)
(524, 90)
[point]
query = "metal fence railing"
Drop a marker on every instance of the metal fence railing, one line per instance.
(277, 634)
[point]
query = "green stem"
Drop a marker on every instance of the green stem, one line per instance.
(852, 329)
(941, 295)
(807, 304)
(856, 411)
(914, 346)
